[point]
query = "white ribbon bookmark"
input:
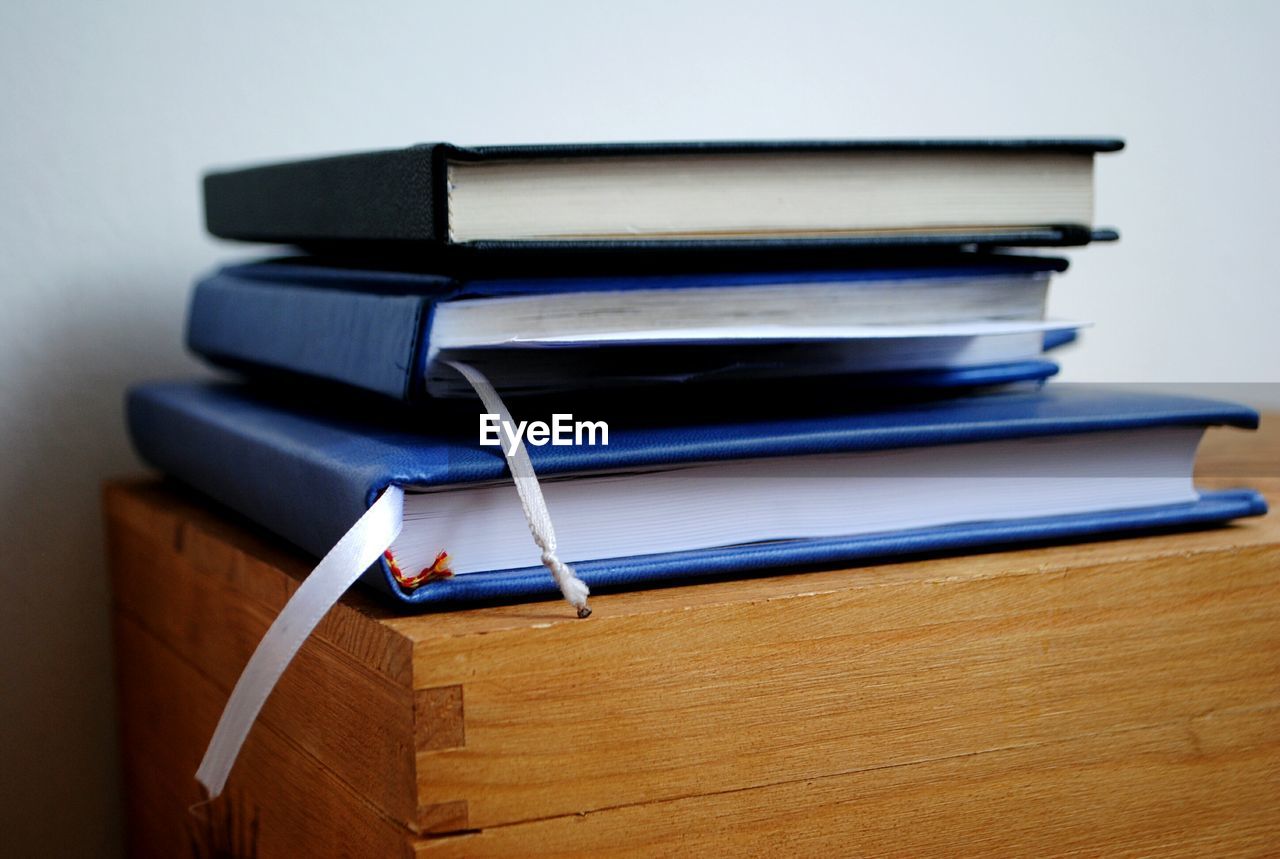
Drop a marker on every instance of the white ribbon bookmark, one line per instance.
(360, 548)
(575, 590)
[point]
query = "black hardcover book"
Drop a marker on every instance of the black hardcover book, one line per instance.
(638, 198)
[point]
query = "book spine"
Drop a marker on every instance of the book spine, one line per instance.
(255, 467)
(389, 196)
(364, 340)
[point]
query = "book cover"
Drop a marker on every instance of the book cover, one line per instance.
(308, 471)
(401, 199)
(372, 329)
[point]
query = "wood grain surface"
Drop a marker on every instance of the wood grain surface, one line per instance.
(1119, 696)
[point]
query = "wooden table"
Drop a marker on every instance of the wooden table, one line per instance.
(1101, 698)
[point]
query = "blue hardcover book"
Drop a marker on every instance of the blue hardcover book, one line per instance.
(644, 499)
(961, 320)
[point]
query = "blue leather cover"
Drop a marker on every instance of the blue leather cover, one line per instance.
(363, 339)
(1059, 338)
(307, 473)
(370, 329)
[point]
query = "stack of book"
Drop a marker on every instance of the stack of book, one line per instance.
(694, 359)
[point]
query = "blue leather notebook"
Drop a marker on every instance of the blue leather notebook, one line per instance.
(702, 496)
(669, 198)
(960, 320)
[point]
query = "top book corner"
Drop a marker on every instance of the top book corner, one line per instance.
(674, 197)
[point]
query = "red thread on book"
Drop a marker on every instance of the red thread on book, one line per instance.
(439, 569)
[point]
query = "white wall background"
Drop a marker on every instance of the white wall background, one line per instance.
(110, 111)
